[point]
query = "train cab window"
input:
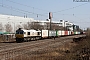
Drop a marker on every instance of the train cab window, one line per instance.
(19, 32)
(28, 33)
(39, 33)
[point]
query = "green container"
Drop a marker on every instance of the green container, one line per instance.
(56, 32)
(6, 32)
(74, 32)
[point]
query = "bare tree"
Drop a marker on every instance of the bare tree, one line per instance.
(18, 26)
(54, 26)
(1, 27)
(48, 25)
(36, 25)
(33, 25)
(27, 25)
(8, 27)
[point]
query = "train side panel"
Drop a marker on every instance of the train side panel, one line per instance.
(30, 33)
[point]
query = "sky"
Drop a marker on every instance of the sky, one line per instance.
(75, 12)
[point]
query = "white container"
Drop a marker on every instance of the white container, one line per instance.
(59, 33)
(52, 33)
(44, 33)
(63, 33)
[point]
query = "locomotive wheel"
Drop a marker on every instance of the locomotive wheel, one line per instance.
(22, 39)
(17, 40)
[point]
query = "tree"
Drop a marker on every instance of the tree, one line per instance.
(36, 25)
(18, 26)
(8, 27)
(27, 25)
(33, 25)
(54, 26)
(48, 25)
(1, 27)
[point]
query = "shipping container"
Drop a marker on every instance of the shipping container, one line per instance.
(78, 32)
(66, 32)
(52, 33)
(59, 32)
(56, 32)
(63, 33)
(70, 33)
(44, 33)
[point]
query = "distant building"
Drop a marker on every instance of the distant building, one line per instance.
(66, 24)
(17, 21)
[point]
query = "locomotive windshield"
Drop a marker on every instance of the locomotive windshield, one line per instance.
(19, 31)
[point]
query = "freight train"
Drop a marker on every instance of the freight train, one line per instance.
(27, 35)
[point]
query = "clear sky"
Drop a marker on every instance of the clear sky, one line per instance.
(76, 12)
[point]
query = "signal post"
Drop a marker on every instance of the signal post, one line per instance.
(50, 17)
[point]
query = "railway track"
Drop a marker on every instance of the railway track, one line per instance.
(12, 50)
(6, 46)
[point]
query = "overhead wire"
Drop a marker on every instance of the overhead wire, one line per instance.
(26, 5)
(19, 10)
(23, 11)
(28, 12)
(71, 8)
(46, 10)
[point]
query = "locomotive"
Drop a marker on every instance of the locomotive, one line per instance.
(19, 35)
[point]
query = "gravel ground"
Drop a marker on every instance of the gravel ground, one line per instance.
(48, 49)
